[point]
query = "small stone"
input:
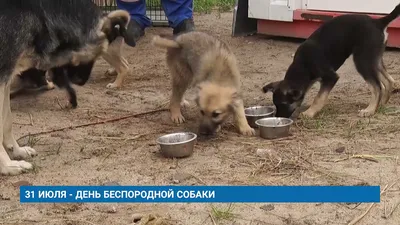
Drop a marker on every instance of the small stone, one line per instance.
(22, 183)
(154, 150)
(268, 207)
(173, 167)
(137, 217)
(340, 149)
(4, 198)
(108, 209)
(109, 92)
(179, 177)
(362, 183)
(263, 152)
(113, 209)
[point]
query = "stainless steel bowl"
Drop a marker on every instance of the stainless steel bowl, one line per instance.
(258, 112)
(274, 127)
(177, 145)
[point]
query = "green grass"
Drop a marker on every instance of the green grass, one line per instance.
(222, 214)
(206, 6)
(201, 6)
(384, 110)
(323, 120)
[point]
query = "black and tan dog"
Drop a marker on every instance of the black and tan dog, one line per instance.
(47, 34)
(325, 51)
(198, 59)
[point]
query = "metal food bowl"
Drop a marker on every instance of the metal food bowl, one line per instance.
(258, 112)
(274, 127)
(177, 145)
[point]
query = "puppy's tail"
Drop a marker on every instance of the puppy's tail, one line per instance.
(164, 42)
(386, 20)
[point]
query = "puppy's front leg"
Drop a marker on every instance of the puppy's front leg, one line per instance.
(175, 105)
(180, 83)
(319, 102)
(240, 119)
(322, 97)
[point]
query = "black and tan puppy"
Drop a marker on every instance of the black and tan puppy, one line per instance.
(36, 81)
(325, 51)
(32, 81)
(63, 77)
(199, 59)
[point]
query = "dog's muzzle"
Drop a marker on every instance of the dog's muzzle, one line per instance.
(208, 128)
(285, 111)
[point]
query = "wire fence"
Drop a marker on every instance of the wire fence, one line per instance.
(153, 10)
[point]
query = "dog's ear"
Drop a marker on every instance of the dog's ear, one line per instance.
(295, 94)
(197, 89)
(236, 96)
(271, 87)
(236, 102)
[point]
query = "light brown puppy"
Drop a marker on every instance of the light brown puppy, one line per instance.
(198, 59)
(120, 66)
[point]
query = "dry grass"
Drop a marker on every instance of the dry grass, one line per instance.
(294, 159)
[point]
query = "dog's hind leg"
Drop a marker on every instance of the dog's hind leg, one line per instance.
(386, 81)
(374, 102)
(367, 58)
(388, 87)
(390, 82)
(8, 166)
(321, 99)
(118, 62)
(370, 74)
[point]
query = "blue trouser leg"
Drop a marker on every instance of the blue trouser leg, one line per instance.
(137, 10)
(177, 10)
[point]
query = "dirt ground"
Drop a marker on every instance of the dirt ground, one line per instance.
(318, 152)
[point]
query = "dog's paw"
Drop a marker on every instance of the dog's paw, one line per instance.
(178, 118)
(308, 114)
(112, 85)
(15, 167)
(111, 72)
(23, 153)
(365, 113)
(247, 131)
(185, 103)
(218, 129)
(50, 85)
